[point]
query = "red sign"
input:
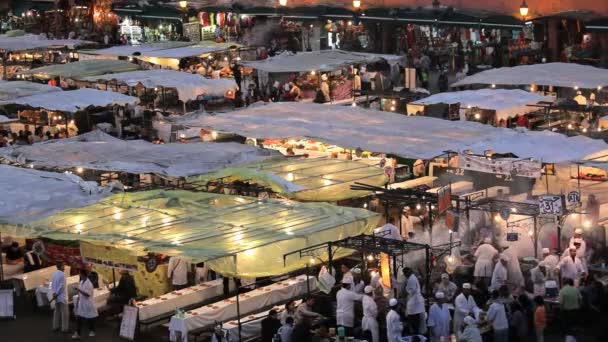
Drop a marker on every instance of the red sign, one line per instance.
(444, 197)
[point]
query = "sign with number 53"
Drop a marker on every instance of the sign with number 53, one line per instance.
(551, 205)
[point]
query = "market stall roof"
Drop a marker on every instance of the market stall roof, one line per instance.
(568, 75)
(30, 194)
(31, 42)
(130, 50)
(325, 60)
(190, 51)
(6, 119)
(238, 236)
(506, 102)
(74, 100)
(13, 89)
(306, 179)
(99, 151)
(600, 24)
(188, 86)
(407, 136)
(80, 69)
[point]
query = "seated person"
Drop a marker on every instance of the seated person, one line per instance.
(125, 290)
(32, 262)
(14, 255)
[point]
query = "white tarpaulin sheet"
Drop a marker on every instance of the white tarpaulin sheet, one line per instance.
(189, 86)
(12, 89)
(4, 118)
(99, 151)
(188, 51)
(129, 50)
(506, 102)
(325, 60)
(74, 100)
(32, 41)
(549, 74)
(407, 136)
(30, 194)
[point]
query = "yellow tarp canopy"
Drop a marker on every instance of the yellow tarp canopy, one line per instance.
(306, 179)
(238, 236)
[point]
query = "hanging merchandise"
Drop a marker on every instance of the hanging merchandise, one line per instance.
(204, 19)
(221, 19)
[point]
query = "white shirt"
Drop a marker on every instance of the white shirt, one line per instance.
(389, 231)
(538, 280)
(58, 286)
(581, 252)
(285, 332)
(85, 305)
(470, 333)
(572, 269)
(448, 289)
(370, 314)
(498, 316)
(551, 261)
(358, 287)
(394, 327)
(407, 223)
(462, 307)
(345, 308)
(439, 321)
(348, 276)
(499, 276)
(178, 271)
(415, 301)
(485, 255)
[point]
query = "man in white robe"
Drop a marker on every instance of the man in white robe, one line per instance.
(439, 318)
(578, 237)
(499, 276)
(370, 314)
(447, 287)
(571, 267)
(394, 326)
(415, 302)
(484, 262)
(539, 276)
(408, 221)
(464, 305)
(389, 230)
(551, 261)
(345, 306)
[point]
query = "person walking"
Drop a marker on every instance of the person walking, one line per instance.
(497, 316)
(84, 307)
(61, 314)
(540, 318)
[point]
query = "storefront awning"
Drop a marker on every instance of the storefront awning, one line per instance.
(81, 69)
(29, 195)
(14, 89)
(73, 101)
(307, 179)
(189, 86)
(237, 236)
(384, 132)
(569, 75)
(99, 151)
(325, 60)
(597, 25)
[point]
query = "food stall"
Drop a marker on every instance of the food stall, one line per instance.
(65, 75)
(491, 106)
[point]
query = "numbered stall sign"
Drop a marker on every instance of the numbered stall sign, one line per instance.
(574, 198)
(551, 205)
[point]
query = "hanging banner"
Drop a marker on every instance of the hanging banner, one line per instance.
(385, 269)
(444, 198)
(504, 166)
(452, 220)
(107, 256)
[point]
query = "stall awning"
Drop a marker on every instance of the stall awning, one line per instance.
(13, 89)
(568, 75)
(131, 50)
(74, 100)
(307, 179)
(189, 86)
(99, 151)
(237, 236)
(77, 70)
(597, 25)
(29, 195)
(506, 102)
(325, 60)
(32, 42)
(161, 13)
(190, 51)
(406, 136)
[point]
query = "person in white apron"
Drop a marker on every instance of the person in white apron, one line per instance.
(345, 306)
(484, 263)
(439, 318)
(539, 276)
(394, 326)
(370, 314)
(464, 305)
(84, 306)
(415, 302)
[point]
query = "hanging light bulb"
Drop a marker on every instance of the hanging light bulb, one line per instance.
(283, 2)
(523, 9)
(357, 3)
(418, 206)
(531, 233)
(497, 218)
(311, 261)
(450, 259)
(370, 257)
(183, 4)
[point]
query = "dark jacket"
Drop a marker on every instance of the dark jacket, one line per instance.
(270, 326)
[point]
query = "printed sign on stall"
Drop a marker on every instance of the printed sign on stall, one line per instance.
(504, 166)
(551, 205)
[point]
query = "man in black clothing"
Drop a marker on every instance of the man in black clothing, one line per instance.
(14, 255)
(270, 326)
(125, 290)
(301, 332)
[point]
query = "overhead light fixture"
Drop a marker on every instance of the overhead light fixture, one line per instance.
(356, 3)
(183, 4)
(283, 2)
(523, 9)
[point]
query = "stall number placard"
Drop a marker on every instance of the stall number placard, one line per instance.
(551, 205)
(129, 322)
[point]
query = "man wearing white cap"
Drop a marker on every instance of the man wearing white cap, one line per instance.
(389, 230)
(394, 327)
(551, 261)
(484, 263)
(415, 302)
(464, 305)
(447, 287)
(499, 276)
(571, 267)
(471, 332)
(345, 306)
(439, 318)
(539, 276)
(347, 275)
(578, 238)
(370, 314)
(358, 284)
(408, 221)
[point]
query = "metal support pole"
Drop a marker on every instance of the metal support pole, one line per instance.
(1, 263)
(430, 223)
(395, 274)
(238, 312)
(427, 282)
(330, 258)
(307, 279)
(535, 237)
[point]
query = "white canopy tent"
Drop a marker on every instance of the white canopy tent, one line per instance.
(32, 41)
(129, 50)
(99, 151)
(74, 100)
(188, 86)
(325, 60)
(14, 89)
(506, 102)
(407, 136)
(568, 75)
(29, 195)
